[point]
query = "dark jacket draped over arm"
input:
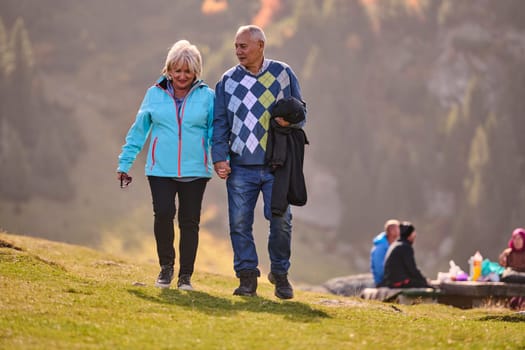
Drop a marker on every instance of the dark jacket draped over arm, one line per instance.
(285, 155)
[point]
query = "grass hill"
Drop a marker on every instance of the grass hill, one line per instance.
(60, 296)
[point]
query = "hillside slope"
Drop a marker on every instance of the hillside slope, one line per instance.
(59, 296)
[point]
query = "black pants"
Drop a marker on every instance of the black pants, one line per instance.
(190, 194)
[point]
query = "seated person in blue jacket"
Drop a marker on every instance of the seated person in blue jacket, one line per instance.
(381, 243)
(400, 264)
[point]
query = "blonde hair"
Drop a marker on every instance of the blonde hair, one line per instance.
(391, 222)
(183, 52)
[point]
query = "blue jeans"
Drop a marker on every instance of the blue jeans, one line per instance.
(244, 185)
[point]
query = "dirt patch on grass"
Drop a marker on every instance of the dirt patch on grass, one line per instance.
(6, 244)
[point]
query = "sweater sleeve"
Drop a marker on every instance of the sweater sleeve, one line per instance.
(221, 128)
(211, 115)
(136, 137)
(295, 91)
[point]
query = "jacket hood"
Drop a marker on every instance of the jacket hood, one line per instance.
(380, 239)
(404, 240)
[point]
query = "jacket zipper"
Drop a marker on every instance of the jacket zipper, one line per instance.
(179, 121)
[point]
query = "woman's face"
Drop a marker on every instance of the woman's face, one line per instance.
(181, 76)
(518, 242)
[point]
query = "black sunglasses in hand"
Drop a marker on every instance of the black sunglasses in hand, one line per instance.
(125, 180)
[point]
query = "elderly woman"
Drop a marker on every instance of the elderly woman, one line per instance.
(177, 114)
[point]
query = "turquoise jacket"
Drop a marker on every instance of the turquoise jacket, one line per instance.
(179, 142)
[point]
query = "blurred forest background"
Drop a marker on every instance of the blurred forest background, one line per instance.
(415, 112)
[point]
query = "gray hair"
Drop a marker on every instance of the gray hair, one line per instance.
(255, 32)
(183, 52)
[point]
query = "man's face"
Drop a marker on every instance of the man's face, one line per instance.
(249, 52)
(392, 233)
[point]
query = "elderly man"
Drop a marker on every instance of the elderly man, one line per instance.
(380, 246)
(245, 95)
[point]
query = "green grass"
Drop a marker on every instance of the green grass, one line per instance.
(59, 296)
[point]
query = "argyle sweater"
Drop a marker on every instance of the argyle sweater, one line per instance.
(241, 113)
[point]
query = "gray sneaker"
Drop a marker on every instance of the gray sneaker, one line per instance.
(184, 282)
(165, 277)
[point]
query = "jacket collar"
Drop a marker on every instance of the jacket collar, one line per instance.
(163, 82)
(264, 66)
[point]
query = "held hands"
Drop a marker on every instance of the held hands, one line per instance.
(222, 169)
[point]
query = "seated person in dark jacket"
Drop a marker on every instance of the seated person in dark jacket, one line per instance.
(400, 265)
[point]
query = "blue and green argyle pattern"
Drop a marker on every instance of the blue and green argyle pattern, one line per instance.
(250, 97)
(242, 110)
